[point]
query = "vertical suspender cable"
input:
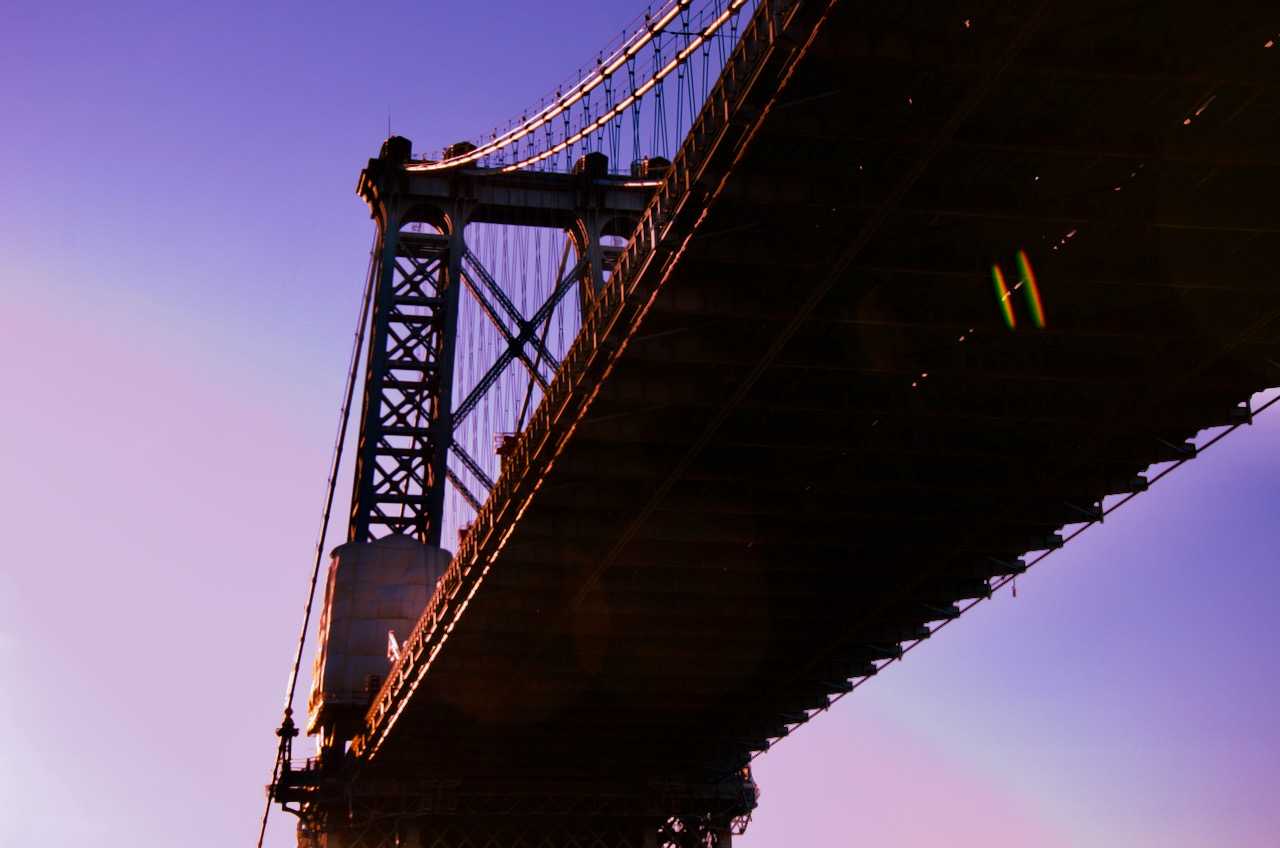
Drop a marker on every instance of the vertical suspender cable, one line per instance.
(634, 108)
(659, 143)
(287, 729)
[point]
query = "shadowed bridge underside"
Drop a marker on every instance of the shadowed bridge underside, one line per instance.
(796, 427)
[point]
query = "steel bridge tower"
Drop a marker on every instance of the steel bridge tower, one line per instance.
(381, 578)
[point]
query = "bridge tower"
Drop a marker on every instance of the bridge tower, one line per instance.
(381, 579)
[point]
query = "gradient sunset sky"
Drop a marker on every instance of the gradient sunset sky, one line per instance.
(181, 253)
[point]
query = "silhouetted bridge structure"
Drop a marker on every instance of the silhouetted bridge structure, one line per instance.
(924, 283)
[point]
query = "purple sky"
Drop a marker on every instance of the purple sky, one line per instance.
(180, 258)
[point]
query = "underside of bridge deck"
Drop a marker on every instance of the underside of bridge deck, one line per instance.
(811, 430)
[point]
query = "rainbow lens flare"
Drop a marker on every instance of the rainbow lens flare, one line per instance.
(1004, 299)
(1027, 276)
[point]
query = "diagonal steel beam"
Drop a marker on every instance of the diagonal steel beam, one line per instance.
(515, 344)
(472, 400)
(562, 288)
(462, 489)
(495, 290)
(474, 467)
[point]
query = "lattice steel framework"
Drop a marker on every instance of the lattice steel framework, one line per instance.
(430, 813)
(405, 832)
(405, 427)
(409, 418)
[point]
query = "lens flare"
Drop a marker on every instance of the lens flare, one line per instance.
(1004, 299)
(1027, 276)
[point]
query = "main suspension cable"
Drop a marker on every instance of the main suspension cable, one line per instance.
(288, 730)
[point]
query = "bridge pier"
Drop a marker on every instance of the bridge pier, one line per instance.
(374, 593)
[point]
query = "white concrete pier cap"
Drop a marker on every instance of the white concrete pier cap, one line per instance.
(373, 588)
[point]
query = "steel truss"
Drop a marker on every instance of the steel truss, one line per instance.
(409, 417)
(400, 457)
(458, 814)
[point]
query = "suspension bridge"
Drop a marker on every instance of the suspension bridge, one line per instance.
(744, 361)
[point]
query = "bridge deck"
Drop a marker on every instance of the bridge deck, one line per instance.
(800, 430)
